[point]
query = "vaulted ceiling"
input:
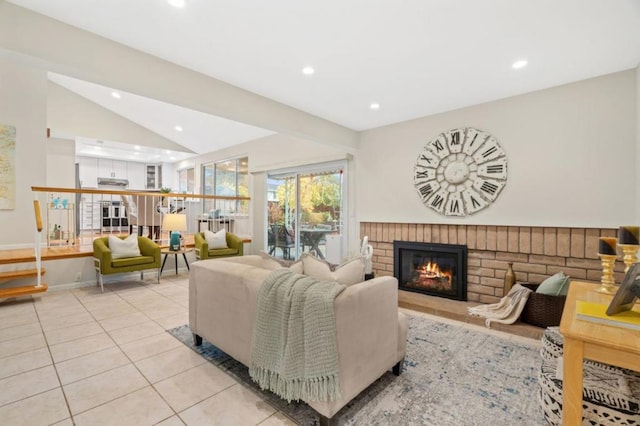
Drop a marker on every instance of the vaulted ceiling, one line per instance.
(412, 57)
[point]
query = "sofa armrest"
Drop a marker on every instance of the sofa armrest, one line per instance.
(149, 248)
(367, 330)
(234, 242)
(201, 246)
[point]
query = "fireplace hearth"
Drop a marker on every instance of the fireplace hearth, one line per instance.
(433, 269)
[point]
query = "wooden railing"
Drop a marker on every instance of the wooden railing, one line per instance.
(77, 216)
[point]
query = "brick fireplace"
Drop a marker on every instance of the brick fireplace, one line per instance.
(536, 252)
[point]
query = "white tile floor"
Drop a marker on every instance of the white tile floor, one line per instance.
(89, 358)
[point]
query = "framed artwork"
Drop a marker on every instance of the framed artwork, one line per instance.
(628, 292)
(7, 167)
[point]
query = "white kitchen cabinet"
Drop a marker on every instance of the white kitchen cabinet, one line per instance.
(90, 215)
(116, 169)
(136, 173)
(88, 170)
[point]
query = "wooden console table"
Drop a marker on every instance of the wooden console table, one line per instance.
(603, 343)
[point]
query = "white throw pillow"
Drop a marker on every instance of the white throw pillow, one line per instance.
(271, 262)
(124, 248)
(216, 240)
(347, 273)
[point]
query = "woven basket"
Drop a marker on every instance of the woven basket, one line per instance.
(541, 309)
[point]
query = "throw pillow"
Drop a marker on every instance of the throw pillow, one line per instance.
(217, 240)
(347, 273)
(272, 262)
(555, 285)
(297, 267)
(124, 248)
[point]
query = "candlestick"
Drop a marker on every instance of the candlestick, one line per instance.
(607, 245)
(629, 235)
(607, 281)
(630, 254)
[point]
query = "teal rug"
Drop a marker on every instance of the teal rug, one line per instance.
(453, 376)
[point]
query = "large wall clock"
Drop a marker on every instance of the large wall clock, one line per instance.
(460, 172)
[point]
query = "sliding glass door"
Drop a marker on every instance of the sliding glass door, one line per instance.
(305, 212)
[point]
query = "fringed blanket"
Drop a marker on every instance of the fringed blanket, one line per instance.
(507, 310)
(294, 350)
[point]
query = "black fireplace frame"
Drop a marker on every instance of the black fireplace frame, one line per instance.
(461, 252)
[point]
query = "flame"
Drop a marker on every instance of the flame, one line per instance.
(432, 270)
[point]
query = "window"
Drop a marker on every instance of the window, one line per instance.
(186, 178)
(226, 178)
(305, 212)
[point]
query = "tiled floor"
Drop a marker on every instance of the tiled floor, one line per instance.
(87, 358)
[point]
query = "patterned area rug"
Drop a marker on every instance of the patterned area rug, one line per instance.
(452, 376)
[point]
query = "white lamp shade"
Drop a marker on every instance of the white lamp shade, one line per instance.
(174, 222)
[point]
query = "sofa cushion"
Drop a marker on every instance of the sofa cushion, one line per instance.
(217, 240)
(555, 285)
(223, 252)
(131, 261)
(347, 273)
(124, 248)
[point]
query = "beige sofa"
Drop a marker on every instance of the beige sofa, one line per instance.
(371, 333)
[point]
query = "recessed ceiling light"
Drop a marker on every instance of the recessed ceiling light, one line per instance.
(178, 128)
(136, 147)
(116, 95)
(176, 3)
(172, 158)
(97, 148)
(519, 64)
(308, 70)
(166, 151)
(374, 105)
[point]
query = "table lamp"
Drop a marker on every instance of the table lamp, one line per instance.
(174, 223)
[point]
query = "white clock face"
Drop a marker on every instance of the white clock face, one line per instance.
(460, 172)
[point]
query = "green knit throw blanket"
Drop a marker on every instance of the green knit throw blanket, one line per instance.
(294, 350)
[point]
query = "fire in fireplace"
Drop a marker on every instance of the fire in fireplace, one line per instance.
(429, 268)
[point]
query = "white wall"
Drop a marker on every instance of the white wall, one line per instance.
(23, 104)
(571, 152)
(61, 163)
(70, 115)
(265, 154)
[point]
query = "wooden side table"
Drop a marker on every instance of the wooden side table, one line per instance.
(175, 254)
(583, 339)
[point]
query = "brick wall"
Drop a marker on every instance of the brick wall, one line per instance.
(536, 252)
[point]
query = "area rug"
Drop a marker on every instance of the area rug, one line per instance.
(453, 375)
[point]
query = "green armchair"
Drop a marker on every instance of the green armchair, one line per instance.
(105, 265)
(235, 244)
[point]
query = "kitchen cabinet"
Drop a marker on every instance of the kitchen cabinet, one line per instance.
(112, 168)
(136, 173)
(88, 171)
(154, 176)
(90, 215)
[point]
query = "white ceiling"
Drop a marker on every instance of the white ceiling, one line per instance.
(414, 57)
(201, 133)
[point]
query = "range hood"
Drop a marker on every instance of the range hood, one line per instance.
(102, 181)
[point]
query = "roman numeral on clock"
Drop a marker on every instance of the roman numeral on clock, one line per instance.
(489, 151)
(438, 145)
(425, 158)
(495, 168)
(475, 203)
(426, 190)
(422, 175)
(454, 207)
(437, 201)
(489, 187)
(455, 138)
